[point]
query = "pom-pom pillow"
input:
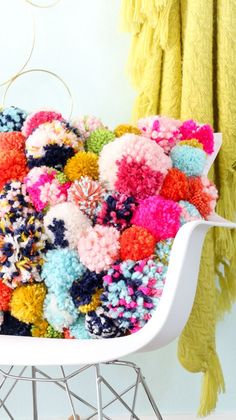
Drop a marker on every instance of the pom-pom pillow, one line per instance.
(88, 219)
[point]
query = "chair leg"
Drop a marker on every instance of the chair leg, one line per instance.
(99, 392)
(34, 394)
(150, 397)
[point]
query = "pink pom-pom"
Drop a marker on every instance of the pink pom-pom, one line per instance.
(163, 130)
(203, 133)
(87, 124)
(37, 118)
(158, 215)
(132, 148)
(210, 189)
(98, 247)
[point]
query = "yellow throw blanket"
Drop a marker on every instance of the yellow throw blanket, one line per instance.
(183, 65)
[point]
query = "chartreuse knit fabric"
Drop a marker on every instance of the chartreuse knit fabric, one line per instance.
(183, 64)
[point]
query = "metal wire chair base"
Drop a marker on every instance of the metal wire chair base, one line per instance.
(35, 375)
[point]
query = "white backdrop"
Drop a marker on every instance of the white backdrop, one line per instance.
(80, 41)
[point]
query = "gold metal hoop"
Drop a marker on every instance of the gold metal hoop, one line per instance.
(29, 56)
(40, 71)
(54, 3)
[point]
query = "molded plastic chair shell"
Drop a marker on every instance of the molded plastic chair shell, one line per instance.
(165, 325)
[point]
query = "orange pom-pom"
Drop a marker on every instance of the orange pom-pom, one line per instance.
(12, 166)
(175, 185)
(12, 140)
(136, 243)
(5, 296)
(198, 197)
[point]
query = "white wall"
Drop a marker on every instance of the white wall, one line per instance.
(80, 40)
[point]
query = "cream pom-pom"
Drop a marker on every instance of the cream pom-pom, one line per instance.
(64, 223)
(133, 148)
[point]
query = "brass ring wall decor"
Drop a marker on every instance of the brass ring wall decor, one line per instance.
(5, 82)
(46, 6)
(51, 73)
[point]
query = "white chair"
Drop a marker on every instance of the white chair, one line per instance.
(166, 324)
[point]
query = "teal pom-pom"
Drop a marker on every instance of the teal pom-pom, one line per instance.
(190, 160)
(78, 330)
(98, 139)
(189, 212)
(61, 268)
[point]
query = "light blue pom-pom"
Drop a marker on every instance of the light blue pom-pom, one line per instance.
(60, 313)
(192, 211)
(61, 268)
(188, 159)
(78, 330)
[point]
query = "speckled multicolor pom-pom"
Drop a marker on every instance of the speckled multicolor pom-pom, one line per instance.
(86, 291)
(87, 194)
(37, 118)
(87, 124)
(52, 144)
(100, 325)
(14, 202)
(64, 223)
(132, 292)
(117, 210)
(46, 187)
(12, 119)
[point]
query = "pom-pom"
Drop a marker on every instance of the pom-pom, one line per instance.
(192, 143)
(203, 133)
(189, 160)
(52, 333)
(136, 243)
(98, 247)
(5, 296)
(1, 319)
(61, 268)
(137, 179)
(13, 166)
(203, 195)
(163, 130)
(162, 251)
(87, 194)
(22, 249)
(46, 187)
(12, 326)
(189, 212)
(86, 291)
(82, 164)
(131, 148)
(78, 330)
(159, 216)
(37, 118)
(64, 224)
(132, 292)
(175, 185)
(40, 329)
(98, 139)
(122, 129)
(12, 119)
(117, 210)
(14, 202)
(12, 141)
(27, 303)
(59, 313)
(100, 325)
(52, 144)
(86, 125)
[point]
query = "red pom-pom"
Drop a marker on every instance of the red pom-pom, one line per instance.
(12, 140)
(12, 166)
(5, 296)
(175, 185)
(66, 333)
(136, 243)
(198, 197)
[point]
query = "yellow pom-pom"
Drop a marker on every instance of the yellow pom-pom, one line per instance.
(126, 128)
(95, 302)
(27, 303)
(82, 164)
(192, 143)
(40, 329)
